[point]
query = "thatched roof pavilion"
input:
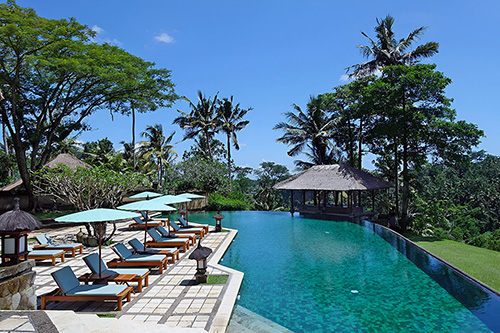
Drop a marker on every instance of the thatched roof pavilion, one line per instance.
(17, 188)
(65, 159)
(336, 178)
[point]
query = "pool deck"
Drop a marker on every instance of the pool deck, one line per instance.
(172, 301)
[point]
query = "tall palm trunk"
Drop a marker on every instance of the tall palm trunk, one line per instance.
(133, 138)
(229, 162)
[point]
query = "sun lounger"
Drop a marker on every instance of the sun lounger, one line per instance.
(141, 274)
(179, 230)
(71, 290)
(140, 223)
(49, 245)
(139, 248)
(165, 234)
(167, 242)
(137, 260)
(184, 224)
(153, 218)
(46, 254)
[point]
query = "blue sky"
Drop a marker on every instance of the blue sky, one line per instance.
(270, 54)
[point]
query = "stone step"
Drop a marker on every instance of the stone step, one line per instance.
(244, 320)
(70, 322)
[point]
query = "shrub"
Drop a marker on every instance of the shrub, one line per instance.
(217, 202)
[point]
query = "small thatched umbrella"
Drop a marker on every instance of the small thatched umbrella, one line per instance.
(14, 227)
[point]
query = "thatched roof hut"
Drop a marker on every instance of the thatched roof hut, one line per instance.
(17, 188)
(335, 177)
(65, 159)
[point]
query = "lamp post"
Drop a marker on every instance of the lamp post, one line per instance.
(200, 254)
(218, 218)
(14, 228)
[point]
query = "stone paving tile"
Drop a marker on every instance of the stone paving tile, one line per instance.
(171, 298)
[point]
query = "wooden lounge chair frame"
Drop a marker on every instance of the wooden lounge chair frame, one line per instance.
(184, 244)
(119, 262)
(191, 235)
(143, 225)
(204, 226)
(57, 295)
(52, 257)
(200, 231)
(64, 248)
(172, 254)
(86, 278)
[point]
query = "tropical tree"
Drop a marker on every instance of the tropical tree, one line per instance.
(69, 145)
(386, 50)
(349, 105)
(200, 149)
(231, 117)
(268, 175)
(98, 152)
(312, 129)
(157, 150)
(414, 121)
(202, 120)
(53, 77)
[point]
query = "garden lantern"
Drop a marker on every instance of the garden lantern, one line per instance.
(200, 254)
(14, 228)
(218, 218)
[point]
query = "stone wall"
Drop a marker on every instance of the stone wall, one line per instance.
(17, 286)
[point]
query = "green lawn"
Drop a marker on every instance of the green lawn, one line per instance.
(483, 264)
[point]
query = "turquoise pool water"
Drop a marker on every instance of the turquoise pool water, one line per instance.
(317, 276)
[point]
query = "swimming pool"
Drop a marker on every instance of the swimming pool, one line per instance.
(313, 275)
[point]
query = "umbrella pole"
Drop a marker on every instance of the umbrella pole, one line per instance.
(100, 237)
(146, 229)
(187, 212)
(168, 223)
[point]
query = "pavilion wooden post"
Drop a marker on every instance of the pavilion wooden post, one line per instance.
(315, 198)
(373, 200)
(291, 202)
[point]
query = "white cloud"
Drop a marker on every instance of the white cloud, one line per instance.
(97, 29)
(113, 41)
(164, 38)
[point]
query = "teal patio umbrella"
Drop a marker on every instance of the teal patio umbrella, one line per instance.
(146, 195)
(98, 215)
(171, 199)
(189, 196)
(146, 206)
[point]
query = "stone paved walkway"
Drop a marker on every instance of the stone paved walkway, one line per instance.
(172, 298)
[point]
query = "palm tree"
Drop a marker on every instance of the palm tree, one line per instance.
(231, 117)
(386, 50)
(157, 150)
(202, 120)
(313, 129)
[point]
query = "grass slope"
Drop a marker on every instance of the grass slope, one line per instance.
(483, 264)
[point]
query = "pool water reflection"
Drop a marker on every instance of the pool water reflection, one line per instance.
(313, 275)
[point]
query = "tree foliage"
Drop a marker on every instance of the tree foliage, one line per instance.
(87, 188)
(53, 77)
(386, 50)
(311, 131)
